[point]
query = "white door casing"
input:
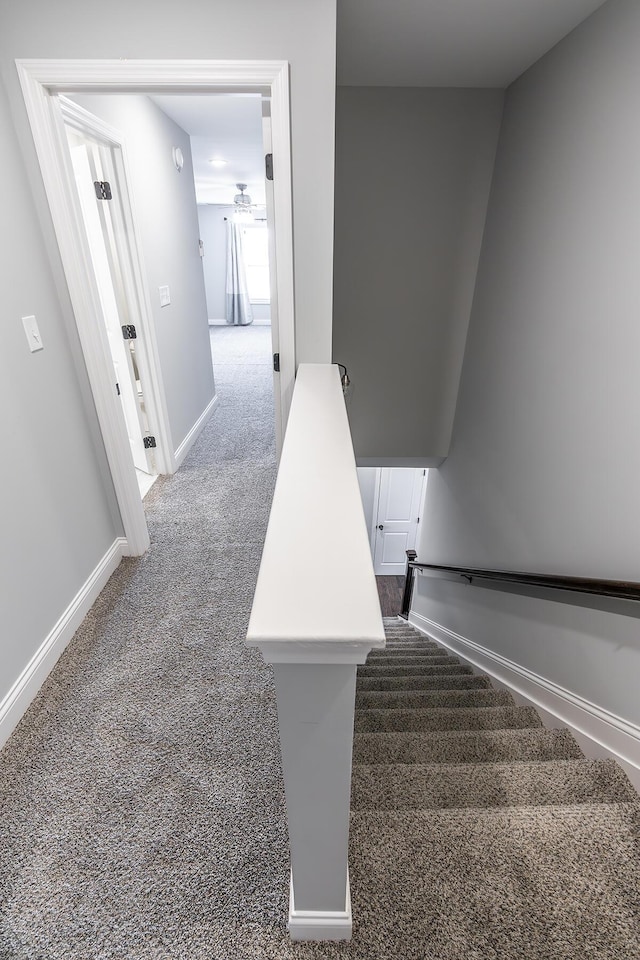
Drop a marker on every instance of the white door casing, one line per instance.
(42, 82)
(396, 521)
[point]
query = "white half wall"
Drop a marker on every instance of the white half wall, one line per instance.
(543, 470)
(165, 203)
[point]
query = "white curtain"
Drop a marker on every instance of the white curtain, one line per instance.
(239, 310)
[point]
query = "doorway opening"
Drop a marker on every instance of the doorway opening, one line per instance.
(393, 500)
(124, 422)
(230, 139)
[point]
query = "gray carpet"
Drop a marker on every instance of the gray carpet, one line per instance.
(141, 803)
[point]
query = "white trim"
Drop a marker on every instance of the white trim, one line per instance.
(195, 432)
(317, 651)
(256, 323)
(41, 78)
(320, 924)
(619, 738)
(417, 462)
(25, 688)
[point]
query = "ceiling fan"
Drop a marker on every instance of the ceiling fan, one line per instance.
(243, 204)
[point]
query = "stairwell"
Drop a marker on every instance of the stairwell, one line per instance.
(485, 833)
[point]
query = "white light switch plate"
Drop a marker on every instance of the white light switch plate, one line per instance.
(33, 334)
(165, 296)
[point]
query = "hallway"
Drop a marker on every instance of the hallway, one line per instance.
(142, 812)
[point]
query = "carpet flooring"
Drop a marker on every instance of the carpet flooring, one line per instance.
(142, 811)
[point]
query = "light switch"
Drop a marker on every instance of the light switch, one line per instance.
(165, 296)
(33, 334)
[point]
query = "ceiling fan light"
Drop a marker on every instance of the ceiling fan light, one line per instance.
(242, 199)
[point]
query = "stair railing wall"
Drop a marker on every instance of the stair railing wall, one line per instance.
(315, 617)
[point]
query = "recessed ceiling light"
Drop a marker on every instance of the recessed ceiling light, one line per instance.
(218, 162)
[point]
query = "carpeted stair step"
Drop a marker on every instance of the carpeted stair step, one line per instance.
(389, 627)
(412, 645)
(403, 628)
(432, 648)
(384, 670)
(418, 699)
(446, 718)
(465, 746)
(532, 883)
(446, 681)
(399, 658)
(440, 786)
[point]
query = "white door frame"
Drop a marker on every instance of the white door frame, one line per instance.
(42, 81)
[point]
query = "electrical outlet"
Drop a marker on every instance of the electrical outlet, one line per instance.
(165, 296)
(33, 334)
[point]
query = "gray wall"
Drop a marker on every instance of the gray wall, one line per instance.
(212, 233)
(545, 459)
(413, 172)
(211, 217)
(59, 510)
(165, 203)
(59, 513)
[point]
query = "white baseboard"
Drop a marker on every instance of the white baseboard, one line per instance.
(599, 732)
(257, 322)
(194, 433)
(15, 703)
(320, 924)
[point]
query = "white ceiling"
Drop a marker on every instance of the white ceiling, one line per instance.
(449, 43)
(227, 126)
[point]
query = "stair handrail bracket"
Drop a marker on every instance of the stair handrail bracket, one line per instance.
(315, 616)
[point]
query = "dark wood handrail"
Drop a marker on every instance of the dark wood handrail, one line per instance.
(617, 589)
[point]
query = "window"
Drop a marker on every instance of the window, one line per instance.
(255, 246)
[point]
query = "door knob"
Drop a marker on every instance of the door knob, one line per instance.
(381, 526)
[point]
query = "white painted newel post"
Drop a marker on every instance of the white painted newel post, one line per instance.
(315, 616)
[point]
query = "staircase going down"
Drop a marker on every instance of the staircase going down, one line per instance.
(483, 833)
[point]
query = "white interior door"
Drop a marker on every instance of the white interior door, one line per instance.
(396, 524)
(91, 163)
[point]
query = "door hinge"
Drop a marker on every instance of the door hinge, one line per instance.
(103, 189)
(268, 166)
(129, 332)
(149, 442)
(276, 362)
